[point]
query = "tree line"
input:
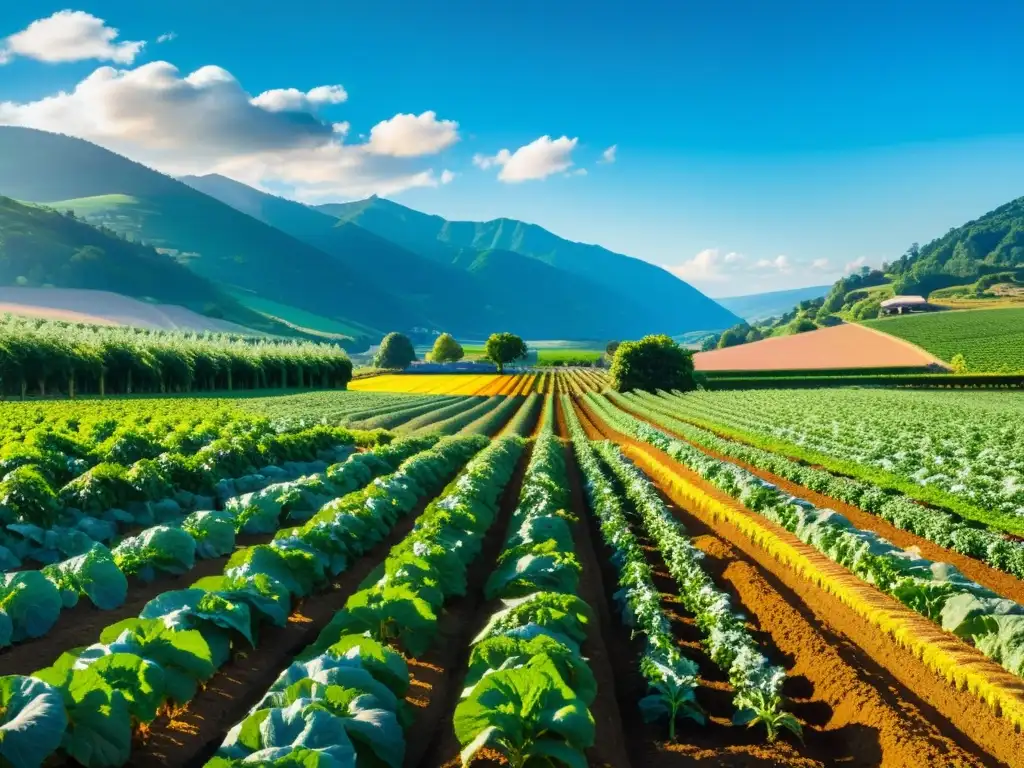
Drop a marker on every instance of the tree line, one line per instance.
(53, 358)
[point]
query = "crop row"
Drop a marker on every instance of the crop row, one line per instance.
(756, 683)
(53, 355)
(91, 697)
(343, 696)
(960, 451)
(943, 528)
(527, 686)
(936, 591)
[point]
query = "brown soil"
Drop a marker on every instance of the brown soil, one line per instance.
(83, 624)
(437, 678)
(843, 346)
(191, 736)
(998, 581)
(864, 699)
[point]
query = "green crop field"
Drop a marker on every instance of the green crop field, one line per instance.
(991, 340)
(568, 356)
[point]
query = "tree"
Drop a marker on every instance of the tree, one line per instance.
(610, 348)
(395, 351)
(504, 348)
(958, 363)
(446, 349)
(653, 363)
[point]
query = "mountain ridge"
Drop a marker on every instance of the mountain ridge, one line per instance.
(660, 292)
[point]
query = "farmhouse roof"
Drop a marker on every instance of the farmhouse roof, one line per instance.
(904, 301)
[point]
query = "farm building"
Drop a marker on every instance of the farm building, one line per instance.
(899, 305)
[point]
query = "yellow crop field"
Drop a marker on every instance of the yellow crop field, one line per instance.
(437, 384)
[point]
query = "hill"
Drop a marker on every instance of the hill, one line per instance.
(991, 340)
(74, 305)
(213, 239)
(42, 248)
(468, 291)
(761, 306)
(666, 304)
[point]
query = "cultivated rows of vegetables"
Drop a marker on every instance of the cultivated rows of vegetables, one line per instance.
(527, 686)
(939, 526)
(136, 493)
(963, 451)
(342, 698)
(95, 697)
(756, 683)
(937, 591)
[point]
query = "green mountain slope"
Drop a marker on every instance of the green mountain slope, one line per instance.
(464, 290)
(442, 295)
(42, 248)
(760, 306)
(215, 240)
(665, 304)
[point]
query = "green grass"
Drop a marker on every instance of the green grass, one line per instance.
(302, 319)
(568, 356)
(991, 340)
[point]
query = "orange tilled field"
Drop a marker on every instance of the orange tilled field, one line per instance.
(844, 346)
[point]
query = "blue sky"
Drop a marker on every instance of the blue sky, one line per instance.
(759, 145)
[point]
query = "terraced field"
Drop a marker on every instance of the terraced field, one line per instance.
(536, 572)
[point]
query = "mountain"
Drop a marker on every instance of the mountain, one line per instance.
(42, 248)
(761, 306)
(991, 244)
(465, 290)
(214, 240)
(313, 270)
(665, 303)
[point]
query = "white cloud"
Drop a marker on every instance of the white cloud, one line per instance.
(69, 36)
(577, 172)
(206, 122)
(484, 162)
(853, 266)
(780, 263)
(709, 265)
(412, 135)
(166, 37)
(820, 264)
(294, 100)
(447, 177)
(536, 160)
(608, 156)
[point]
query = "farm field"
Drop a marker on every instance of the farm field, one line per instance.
(844, 346)
(475, 384)
(991, 340)
(539, 567)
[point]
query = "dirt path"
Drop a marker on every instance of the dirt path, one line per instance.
(998, 581)
(437, 678)
(864, 699)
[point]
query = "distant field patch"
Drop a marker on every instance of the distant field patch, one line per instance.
(568, 356)
(298, 318)
(991, 340)
(841, 347)
(439, 383)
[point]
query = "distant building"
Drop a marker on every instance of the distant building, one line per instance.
(899, 305)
